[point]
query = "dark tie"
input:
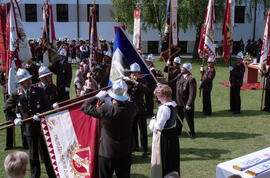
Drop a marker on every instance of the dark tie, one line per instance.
(28, 95)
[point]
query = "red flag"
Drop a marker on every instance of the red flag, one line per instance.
(48, 39)
(95, 56)
(227, 31)
(137, 41)
(206, 45)
(72, 141)
(4, 9)
(265, 53)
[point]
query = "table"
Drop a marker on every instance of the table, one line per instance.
(252, 74)
(224, 170)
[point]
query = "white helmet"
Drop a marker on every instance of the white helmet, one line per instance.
(210, 59)
(63, 52)
(22, 75)
(177, 60)
(108, 53)
(240, 55)
(187, 66)
(119, 90)
(43, 71)
(150, 58)
(135, 67)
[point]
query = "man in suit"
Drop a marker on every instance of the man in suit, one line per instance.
(185, 97)
(30, 101)
(137, 92)
(207, 84)
(236, 81)
(116, 120)
(63, 71)
(46, 82)
(267, 87)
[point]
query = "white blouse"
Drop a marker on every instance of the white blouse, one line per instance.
(163, 114)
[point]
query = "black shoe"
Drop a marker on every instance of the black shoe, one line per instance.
(236, 112)
(144, 154)
(230, 110)
(192, 135)
(7, 148)
(266, 109)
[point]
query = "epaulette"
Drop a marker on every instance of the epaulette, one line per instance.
(20, 91)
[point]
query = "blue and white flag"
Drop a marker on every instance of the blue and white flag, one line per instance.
(124, 55)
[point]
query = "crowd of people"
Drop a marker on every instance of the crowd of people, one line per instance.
(127, 105)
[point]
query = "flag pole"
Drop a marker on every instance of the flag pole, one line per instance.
(170, 41)
(203, 61)
(76, 103)
(263, 89)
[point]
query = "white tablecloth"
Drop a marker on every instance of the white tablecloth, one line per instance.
(226, 169)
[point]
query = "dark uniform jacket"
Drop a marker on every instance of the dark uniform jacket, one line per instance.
(173, 71)
(185, 89)
(50, 91)
(116, 126)
(63, 71)
(137, 94)
(237, 74)
(36, 103)
(267, 80)
(208, 77)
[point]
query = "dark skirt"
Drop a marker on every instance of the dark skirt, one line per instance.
(170, 151)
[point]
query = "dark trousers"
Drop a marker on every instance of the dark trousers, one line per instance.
(121, 166)
(235, 99)
(140, 120)
(207, 107)
(189, 115)
(267, 99)
(40, 59)
(62, 94)
(170, 151)
(149, 102)
(34, 142)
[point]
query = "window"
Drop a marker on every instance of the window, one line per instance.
(62, 12)
(153, 47)
(239, 14)
(30, 12)
(97, 11)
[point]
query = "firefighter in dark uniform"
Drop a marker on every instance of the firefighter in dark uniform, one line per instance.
(105, 69)
(267, 87)
(46, 82)
(174, 71)
(137, 92)
(116, 131)
(63, 71)
(33, 70)
(185, 97)
(30, 101)
(207, 84)
(151, 85)
(236, 81)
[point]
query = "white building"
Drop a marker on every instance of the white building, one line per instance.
(71, 20)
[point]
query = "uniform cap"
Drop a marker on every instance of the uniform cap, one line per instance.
(22, 75)
(187, 66)
(210, 59)
(119, 90)
(63, 52)
(240, 55)
(135, 67)
(150, 58)
(177, 60)
(43, 71)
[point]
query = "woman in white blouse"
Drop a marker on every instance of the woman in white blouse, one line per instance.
(165, 144)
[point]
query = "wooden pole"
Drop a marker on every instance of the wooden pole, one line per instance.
(75, 103)
(263, 87)
(203, 60)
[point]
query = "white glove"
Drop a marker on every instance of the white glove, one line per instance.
(201, 69)
(66, 89)
(101, 95)
(36, 118)
(55, 105)
(231, 68)
(200, 83)
(126, 78)
(230, 84)
(188, 107)
(159, 84)
(168, 62)
(18, 121)
(266, 69)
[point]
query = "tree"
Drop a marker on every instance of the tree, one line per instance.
(153, 14)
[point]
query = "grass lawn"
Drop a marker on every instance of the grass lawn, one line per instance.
(220, 137)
